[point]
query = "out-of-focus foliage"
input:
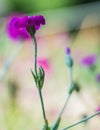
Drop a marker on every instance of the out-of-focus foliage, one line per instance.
(29, 6)
(36, 5)
(5, 7)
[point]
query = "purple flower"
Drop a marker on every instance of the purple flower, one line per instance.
(67, 50)
(30, 21)
(89, 60)
(98, 77)
(16, 33)
(24, 26)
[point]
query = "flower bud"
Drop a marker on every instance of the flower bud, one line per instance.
(39, 78)
(69, 60)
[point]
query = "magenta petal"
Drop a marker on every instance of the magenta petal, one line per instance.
(16, 33)
(36, 21)
(18, 27)
(22, 22)
(23, 33)
(42, 20)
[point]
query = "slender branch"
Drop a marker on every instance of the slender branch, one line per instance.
(67, 99)
(42, 105)
(81, 121)
(70, 74)
(64, 106)
(59, 117)
(66, 102)
(39, 89)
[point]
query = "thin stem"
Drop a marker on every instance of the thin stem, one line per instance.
(66, 102)
(35, 54)
(70, 74)
(62, 110)
(64, 106)
(42, 105)
(81, 121)
(67, 99)
(39, 90)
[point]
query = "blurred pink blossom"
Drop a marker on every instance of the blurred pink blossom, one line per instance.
(98, 109)
(45, 63)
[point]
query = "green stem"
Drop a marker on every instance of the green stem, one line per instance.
(70, 74)
(62, 110)
(66, 101)
(65, 104)
(81, 121)
(35, 53)
(39, 90)
(42, 105)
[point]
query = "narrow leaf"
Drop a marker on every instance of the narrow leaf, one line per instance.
(35, 78)
(42, 71)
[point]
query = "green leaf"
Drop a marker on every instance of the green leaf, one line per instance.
(40, 75)
(35, 77)
(42, 71)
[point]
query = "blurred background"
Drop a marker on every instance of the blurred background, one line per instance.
(74, 24)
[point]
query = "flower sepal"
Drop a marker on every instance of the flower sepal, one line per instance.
(34, 76)
(31, 30)
(69, 60)
(39, 77)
